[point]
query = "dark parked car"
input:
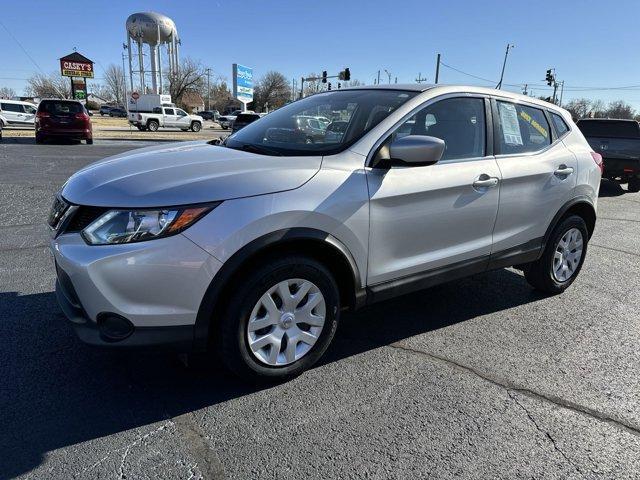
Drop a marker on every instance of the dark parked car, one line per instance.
(104, 110)
(209, 114)
(62, 119)
(618, 141)
(243, 120)
(118, 112)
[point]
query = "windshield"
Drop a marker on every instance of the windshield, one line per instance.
(322, 124)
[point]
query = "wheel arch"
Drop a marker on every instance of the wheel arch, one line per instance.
(581, 206)
(319, 245)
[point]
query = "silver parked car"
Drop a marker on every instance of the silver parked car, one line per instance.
(252, 248)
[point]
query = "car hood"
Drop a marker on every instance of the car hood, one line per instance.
(183, 174)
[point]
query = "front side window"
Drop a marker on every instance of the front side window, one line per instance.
(460, 122)
(522, 129)
(181, 113)
(29, 109)
(323, 124)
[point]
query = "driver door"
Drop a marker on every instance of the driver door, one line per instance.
(169, 117)
(182, 119)
(432, 219)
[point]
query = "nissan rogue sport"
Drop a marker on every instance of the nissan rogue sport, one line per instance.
(252, 248)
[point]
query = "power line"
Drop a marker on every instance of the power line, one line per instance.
(22, 48)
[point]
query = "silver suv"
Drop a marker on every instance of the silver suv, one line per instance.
(252, 248)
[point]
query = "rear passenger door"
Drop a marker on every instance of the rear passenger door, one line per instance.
(12, 112)
(538, 174)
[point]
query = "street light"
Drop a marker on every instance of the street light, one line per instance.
(504, 64)
(388, 74)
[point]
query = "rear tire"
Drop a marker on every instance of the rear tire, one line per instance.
(39, 140)
(634, 185)
(548, 273)
(153, 125)
(244, 305)
(89, 141)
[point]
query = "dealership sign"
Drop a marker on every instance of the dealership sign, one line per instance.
(243, 83)
(76, 65)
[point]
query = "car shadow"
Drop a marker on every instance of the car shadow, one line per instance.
(58, 392)
(609, 188)
(32, 141)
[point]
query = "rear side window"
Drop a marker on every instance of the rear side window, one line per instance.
(61, 107)
(522, 129)
(12, 107)
(169, 111)
(560, 124)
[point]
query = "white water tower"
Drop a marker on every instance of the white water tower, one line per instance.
(155, 30)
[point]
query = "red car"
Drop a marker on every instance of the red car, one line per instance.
(62, 119)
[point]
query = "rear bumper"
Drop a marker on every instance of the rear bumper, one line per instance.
(80, 134)
(616, 167)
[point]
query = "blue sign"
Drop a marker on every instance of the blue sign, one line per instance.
(243, 83)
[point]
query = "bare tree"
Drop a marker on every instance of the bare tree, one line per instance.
(578, 107)
(7, 92)
(114, 84)
(354, 83)
(313, 86)
(620, 109)
(598, 109)
(272, 91)
(190, 76)
(49, 86)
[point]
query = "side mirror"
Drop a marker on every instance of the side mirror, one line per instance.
(417, 150)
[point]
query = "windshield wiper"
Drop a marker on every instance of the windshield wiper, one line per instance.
(249, 147)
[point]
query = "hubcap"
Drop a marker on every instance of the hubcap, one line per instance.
(286, 322)
(567, 255)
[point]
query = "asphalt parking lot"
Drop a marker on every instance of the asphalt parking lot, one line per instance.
(481, 378)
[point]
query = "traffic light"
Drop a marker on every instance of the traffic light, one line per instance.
(329, 86)
(549, 78)
(347, 74)
(339, 85)
(324, 76)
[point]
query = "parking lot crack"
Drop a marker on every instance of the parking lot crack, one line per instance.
(509, 386)
(137, 441)
(544, 432)
(616, 249)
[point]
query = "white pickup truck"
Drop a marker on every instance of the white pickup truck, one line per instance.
(166, 117)
(151, 112)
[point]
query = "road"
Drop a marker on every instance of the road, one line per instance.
(481, 378)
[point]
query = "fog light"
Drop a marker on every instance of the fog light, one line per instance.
(113, 327)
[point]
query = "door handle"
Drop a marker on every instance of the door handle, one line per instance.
(563, 171)
(485, 181)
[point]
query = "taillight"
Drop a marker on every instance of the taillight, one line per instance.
(82, 116)
(42, 115)
(598, 159)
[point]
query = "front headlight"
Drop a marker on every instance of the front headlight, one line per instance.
(127, 226)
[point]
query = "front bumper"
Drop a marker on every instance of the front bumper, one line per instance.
(156, 287)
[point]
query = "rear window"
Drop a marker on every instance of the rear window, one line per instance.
(247, 117)
(61, 107)
(11, 107)
(609, 128)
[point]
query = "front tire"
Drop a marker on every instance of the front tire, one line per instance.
(196, 126)
(634, 185)
(280, 319)
(562, 258)
(153, 125)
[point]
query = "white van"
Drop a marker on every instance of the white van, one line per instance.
(16, 112)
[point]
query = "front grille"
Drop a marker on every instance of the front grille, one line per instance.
(83, 217)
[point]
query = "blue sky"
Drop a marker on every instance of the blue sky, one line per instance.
(590, 43)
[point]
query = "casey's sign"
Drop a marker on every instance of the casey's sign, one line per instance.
(76, 69)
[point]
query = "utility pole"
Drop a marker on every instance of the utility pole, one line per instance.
(561, 92)
(437, 68)
(124, 85)
(504, 64)
(208, 70)
(378, 82)
(420, 78)
(524, 90)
